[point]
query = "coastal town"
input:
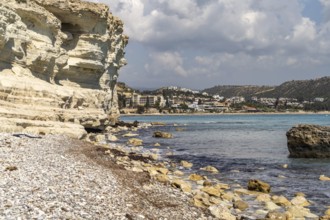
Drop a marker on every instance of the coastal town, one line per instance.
(173, 99)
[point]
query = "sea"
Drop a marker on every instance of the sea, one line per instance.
(243, 147)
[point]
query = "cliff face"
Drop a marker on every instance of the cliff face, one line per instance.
(59, 62)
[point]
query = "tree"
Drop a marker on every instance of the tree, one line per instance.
(167, 104)
(140, 109)
(147, 105)
(184, 106)
(157, 104)
(121, 101)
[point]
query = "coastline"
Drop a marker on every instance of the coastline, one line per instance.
(232, 113)
(142, 183)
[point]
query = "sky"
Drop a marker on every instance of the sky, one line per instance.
(202, 43)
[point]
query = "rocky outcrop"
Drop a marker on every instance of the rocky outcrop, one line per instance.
(309, 141)
(59, 63)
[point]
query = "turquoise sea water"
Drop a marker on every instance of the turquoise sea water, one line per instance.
(255, 145)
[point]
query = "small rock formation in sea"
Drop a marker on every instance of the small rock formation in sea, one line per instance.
(309, 141)
(59, 63)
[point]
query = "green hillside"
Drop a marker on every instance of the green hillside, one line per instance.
(301, 89)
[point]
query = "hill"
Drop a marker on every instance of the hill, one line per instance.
(300, 89)
(230, 91)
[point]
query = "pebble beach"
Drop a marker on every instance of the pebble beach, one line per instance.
(57, 177)
(54, 177)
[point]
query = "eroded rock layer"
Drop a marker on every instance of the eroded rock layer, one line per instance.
(59, 62)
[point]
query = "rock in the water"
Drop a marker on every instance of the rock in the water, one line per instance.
(271, 206)
(299, 212)
(130, 135)
(259, 186)
(327, 212)
(161, 134)
(241, 205)
(210, 169)
(309, 141)
(281, 201)
(111, 137)
(135, 141)
(300, 201)
(157, 123)
(324, 178)
(186, 164)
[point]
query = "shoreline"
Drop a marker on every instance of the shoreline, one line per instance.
(146, 178)
(203, 194)
(232, 113)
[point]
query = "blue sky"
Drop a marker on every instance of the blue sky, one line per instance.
(202, 43)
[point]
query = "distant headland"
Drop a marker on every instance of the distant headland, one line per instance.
(296, 96)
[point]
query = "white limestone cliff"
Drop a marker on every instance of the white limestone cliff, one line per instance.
(59, 62)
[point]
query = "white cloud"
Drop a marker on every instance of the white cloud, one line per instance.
(171, 62)
(218, 38)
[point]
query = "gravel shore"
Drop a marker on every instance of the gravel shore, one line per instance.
(56, 177)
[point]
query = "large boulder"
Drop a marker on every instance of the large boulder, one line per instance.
(309, 141)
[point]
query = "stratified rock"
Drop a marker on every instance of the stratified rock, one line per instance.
(309, 141)
(160, 134)
(59, 63)
(259, 186)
